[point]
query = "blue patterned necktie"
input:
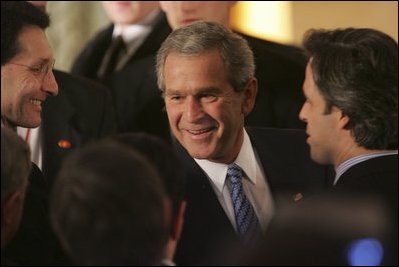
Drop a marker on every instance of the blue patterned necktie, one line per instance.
(247, 223)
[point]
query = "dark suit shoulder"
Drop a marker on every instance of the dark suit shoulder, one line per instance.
(280, 73)
(267, 48)
(89, 59)
(376, 176)
(152, 43)
(74, 84)
(281, 139)
(285, 157)
(83, 103)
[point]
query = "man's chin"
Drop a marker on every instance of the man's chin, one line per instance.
(31, 124)
(198, 153)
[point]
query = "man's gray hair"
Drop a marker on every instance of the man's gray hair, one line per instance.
(201, 37)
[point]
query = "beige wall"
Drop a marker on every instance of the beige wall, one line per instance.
(74, 23)
(380, 15)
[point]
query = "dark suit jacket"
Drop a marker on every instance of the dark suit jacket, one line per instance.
(284, 156)
(377, 177)
(280, 71)
(138, 102)
(82, 112)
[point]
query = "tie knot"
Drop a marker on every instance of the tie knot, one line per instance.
(117, 43)
(234, 173)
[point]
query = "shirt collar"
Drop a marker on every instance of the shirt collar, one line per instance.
(344, 166)
(137, 30)
(246, 160)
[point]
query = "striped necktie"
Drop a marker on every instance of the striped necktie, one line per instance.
(248, 227)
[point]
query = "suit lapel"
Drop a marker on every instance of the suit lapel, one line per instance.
(60, 132)
(202, 198)
(152, 43)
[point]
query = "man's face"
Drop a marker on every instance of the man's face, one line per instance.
(323, 129)
(24, 83)
(129, 12)
(205, 113)
(181, 13)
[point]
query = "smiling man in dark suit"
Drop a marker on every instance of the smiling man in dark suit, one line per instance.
(27, 81)
(279, 68)
(81, 113)
(206, 73)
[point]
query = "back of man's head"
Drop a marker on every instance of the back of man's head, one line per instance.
(15, 162)
(15, 16)
(107, 207)
(15, 169)
(164, 159)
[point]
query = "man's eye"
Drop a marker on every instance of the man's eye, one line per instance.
(175, 98)
(208, 98)
(37, 70)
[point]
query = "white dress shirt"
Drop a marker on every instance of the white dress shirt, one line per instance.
(33, 137)
(254, 183)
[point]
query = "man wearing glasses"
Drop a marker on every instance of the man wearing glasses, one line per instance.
(26, 64)
(27, 81)
(81, 112)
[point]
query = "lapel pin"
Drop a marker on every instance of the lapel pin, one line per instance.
(297, 197)
(64, 144)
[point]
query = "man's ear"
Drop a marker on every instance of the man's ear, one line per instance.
(178, 222)
(250, 92)
(343, 119)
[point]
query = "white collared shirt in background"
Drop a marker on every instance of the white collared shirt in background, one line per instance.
(134, 36)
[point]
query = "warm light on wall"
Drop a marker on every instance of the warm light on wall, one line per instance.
(264, 19)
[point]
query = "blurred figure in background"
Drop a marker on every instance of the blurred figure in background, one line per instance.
(15, 169)
(109, 207)
(329, 230)
(122, 56)
(279, 68)
(172, 175)
(351, 112)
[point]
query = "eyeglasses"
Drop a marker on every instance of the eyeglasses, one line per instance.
(39, 71)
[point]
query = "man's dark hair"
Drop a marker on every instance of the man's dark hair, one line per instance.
(15, 16)
(107, 207)
(356, 70)
(165, 161)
